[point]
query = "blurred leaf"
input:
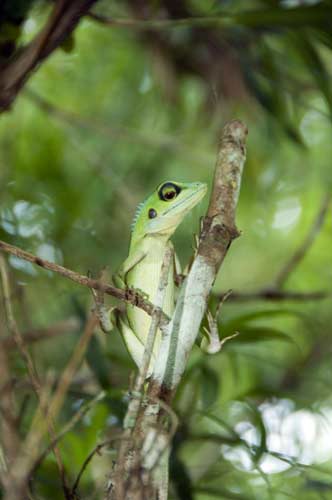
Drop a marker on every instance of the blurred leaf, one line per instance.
(242, 320)
(259, 334)
(209, 386)
(323, 36)
(281, 16)
(314, 64)
(269, 92)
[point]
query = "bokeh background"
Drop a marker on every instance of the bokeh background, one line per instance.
(138, 95)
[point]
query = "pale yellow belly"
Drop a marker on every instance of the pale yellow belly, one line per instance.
(146, 277)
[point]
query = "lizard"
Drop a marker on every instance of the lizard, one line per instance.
(155, 221)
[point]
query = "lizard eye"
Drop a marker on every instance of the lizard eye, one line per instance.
(152, 213)
(168, 191)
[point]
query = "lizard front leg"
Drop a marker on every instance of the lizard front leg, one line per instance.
(108, 317)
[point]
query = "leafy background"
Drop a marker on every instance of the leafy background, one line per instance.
(120, 108)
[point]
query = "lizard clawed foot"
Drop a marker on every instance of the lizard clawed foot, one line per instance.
(214, 344)
(106, 315)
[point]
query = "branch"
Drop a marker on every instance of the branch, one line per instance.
(72, 365)
(64, 18)
(128, 295)
(96, 450)
(10, 437)
(300, 253)
(219, 230)
(273, 294)
(148, 355)
(81, 412)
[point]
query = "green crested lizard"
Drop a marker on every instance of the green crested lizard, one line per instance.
(155, 221)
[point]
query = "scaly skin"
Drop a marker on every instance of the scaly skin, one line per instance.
(156, 220)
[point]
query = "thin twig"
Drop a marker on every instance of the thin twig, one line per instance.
(88, 459)
(128, 295)
(68, 373)
(10, 438)
(301, 251)
(149, 461)
(81, 412)
(155, 320)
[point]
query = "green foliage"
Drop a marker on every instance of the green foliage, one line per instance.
(99, 126)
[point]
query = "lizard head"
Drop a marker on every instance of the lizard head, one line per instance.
(166, 207)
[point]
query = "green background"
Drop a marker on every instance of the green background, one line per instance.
(96, 129)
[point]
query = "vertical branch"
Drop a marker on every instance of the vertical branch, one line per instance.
(9, 433)
(155, 320)
(219, 230)
(8, 428)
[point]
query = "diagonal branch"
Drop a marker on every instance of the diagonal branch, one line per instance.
(301, 251)
(130, 296)
(63, 20)
(273, 294)
(81, 412)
